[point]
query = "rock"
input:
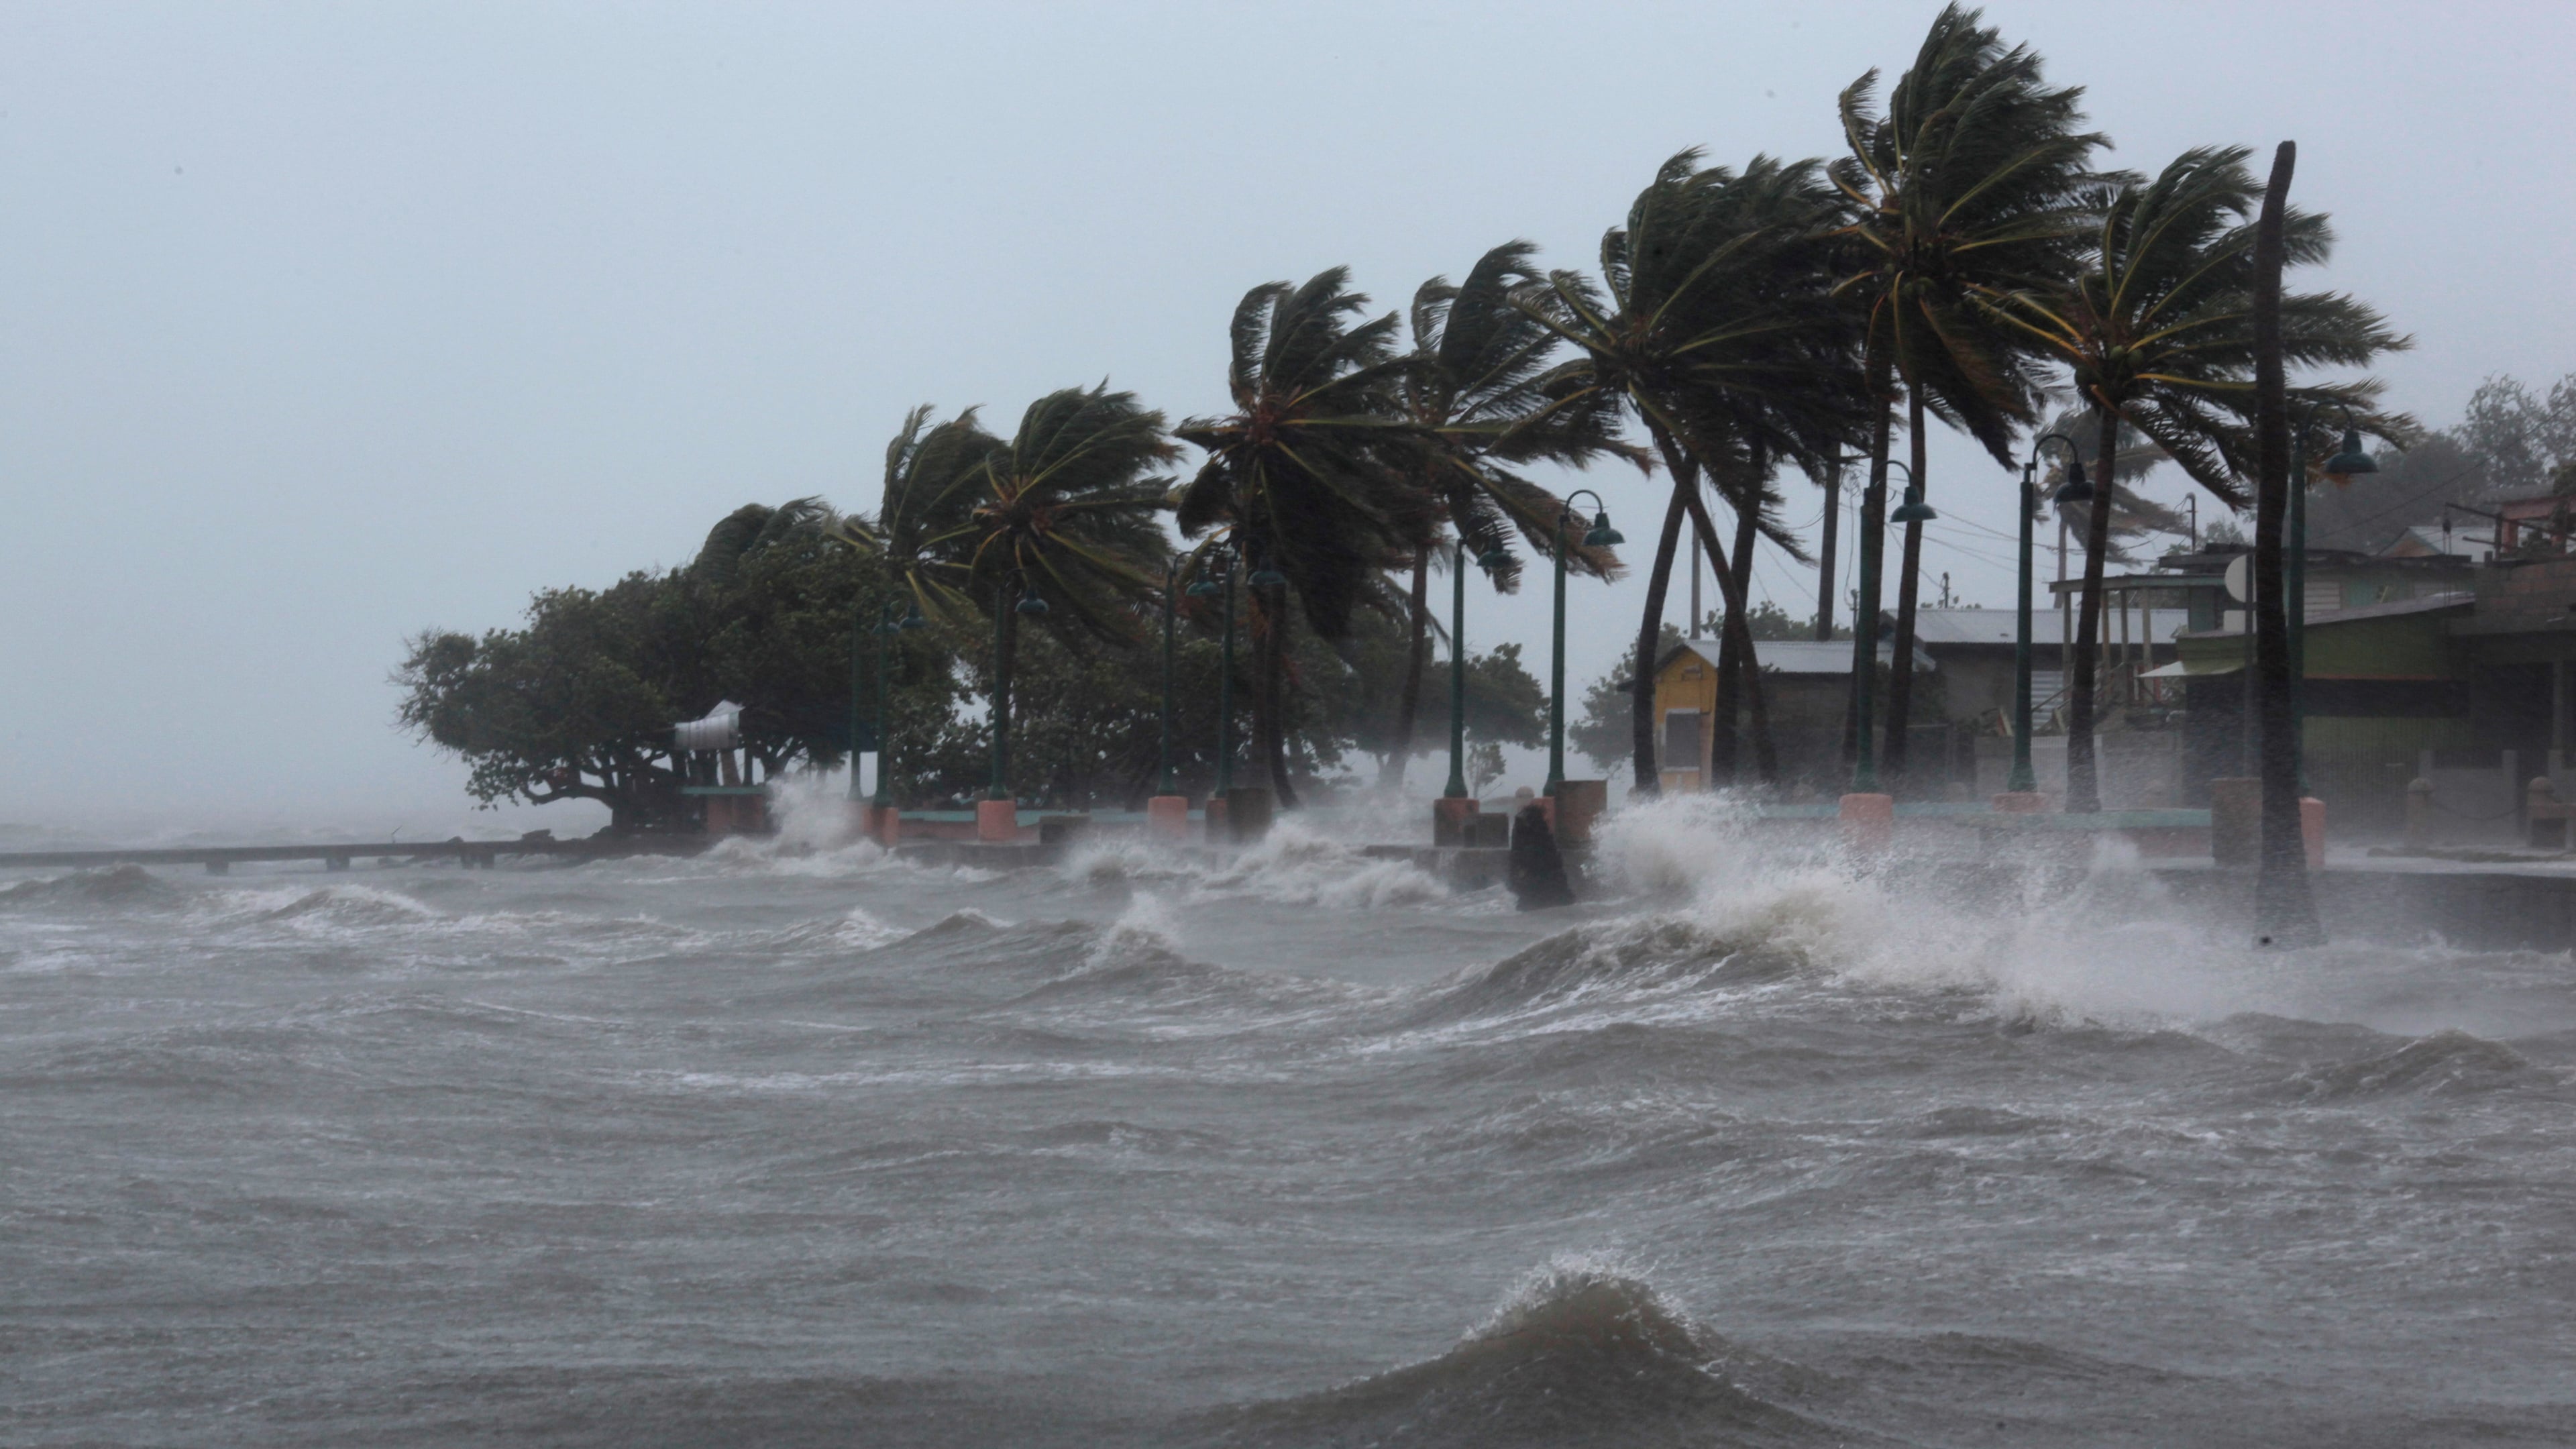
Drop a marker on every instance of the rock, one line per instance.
(1538, 877)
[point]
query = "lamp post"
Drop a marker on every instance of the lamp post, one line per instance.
(2341, 467)
(1489, 560)
(1206, 588)
(858, 696)
(1600, 535)
(1865, 633)
(2023, 779)
(1035, 607)
(1171, 582)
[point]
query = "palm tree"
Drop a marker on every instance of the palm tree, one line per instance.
(1057, 522)
(1474, 391)
(2158, 331)
(933, 478)
(1973, 180)
(1312, 473)
(1714, 324)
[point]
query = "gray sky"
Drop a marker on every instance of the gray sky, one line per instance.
(329, 323)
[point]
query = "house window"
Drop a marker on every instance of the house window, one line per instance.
(1681, 739)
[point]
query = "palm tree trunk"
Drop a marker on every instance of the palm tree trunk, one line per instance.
(1390, 775)
(1270, 645)
(2083, 769)
(2285, 909)
(1733, 587)
(1909, 584)
(1730, 663)
(1641, 690)
(1825, 553)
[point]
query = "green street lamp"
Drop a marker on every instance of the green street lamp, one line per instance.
(1206, 587)
(2023, 778)
(1490, 560)
(1035, 607)
(1171, 586)
(858, 694)
(1600, 535)
(1865, 633)
(887, 627)
(2348, 461)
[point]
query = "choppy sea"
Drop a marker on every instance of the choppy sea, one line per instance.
(797, 1144)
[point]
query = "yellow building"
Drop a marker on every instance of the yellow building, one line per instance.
(1807, 688)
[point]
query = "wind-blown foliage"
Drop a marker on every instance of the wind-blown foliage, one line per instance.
(1973, 180)
(1476, 388)
(2157, 331)
(579, 702)
(1713, 323)
(1063, 511)
(1313, 472)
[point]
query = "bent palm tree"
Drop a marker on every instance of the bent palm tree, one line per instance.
(1474, 390)
(933, 477)
(1312, 472)
(1713, 323)
(2159, 333)
(1973, 180)
(1064, 529)
(1058, 521)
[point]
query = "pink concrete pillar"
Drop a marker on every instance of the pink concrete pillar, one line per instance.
(1579, 803)
(997, 820)
(2312, 831)
(1216, 823)
(885, 825)
(1869, 822)
(2020, 802)
(1167, 818)
(1450, 819)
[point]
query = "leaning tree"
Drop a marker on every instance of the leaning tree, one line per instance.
(1973, 180)
(2158, 333)
(1713, 323)
(1311, 477)
(1476, 390)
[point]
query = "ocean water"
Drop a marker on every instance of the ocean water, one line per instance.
(796, 1144)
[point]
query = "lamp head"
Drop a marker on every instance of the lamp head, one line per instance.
(2077, 488)
(1601, 534)
(1031, 605)
(1265, 577)
(913, 620)
(1492, 559)
(2353, 459)
(1912, 510)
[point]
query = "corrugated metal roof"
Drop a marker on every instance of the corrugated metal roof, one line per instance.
(1802, 656)
(1995, 626)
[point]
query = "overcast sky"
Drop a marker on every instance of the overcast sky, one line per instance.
(325, 324)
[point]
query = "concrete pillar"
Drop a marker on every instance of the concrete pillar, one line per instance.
(1451, 819)
(1217, 828)
(2419, 812)
(2312, 831)
(1869, 822)
(1578, 804)
(2548, 827)
(2019, 802)
(997, 821)
(1247, 813)
(885, 825)
(1167, 819)
(2236, 821)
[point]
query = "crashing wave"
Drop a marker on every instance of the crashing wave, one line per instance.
(1580, 1353)
(124, 885)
